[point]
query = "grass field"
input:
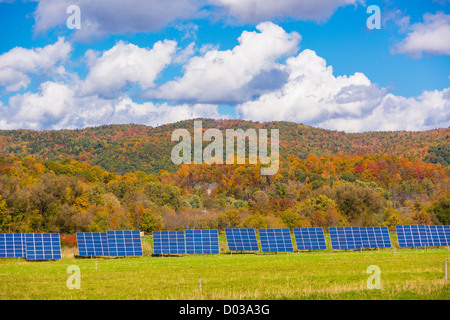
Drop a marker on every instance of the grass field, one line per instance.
(405, 274)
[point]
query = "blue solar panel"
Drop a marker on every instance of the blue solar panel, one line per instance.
(202, 241)
(275, 240)
(241, 239)
(343, 238)
(42, 246)
(169, 242)
(439, 236)
(375, 237)
(423, 236)
(92, 244)
(412, 236)
(359, 237)
(124, 243)
(310, 239)
(12, 245)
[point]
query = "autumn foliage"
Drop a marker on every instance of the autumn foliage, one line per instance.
(121, 177)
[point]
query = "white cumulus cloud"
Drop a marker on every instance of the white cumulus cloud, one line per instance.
(57, 106)
(66, 101)
(254, 11)
(126, 64)
(432, 36)
(18, 64)
(314, 96)
(264, 76)
(39, 110)
(105, 17)
(234, 75)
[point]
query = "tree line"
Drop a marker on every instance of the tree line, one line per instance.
(68, 196)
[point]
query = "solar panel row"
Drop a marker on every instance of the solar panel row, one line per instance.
(11, 245)
(169, 242)
(423, 236)
(111, 243)
(359, 237)
(124, 243)
(43, 246)
(92, 244)
(275, 240)
(32, 246)
(310, 239)
(189, 241)
(202, 241)
(241, 239)
(439, 236)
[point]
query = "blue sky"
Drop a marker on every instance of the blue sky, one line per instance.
(312, 62)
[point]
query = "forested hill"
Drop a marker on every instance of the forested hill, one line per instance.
(130, 148)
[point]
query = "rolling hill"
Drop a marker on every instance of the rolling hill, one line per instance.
(130, 148)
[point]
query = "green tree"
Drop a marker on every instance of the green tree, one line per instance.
(290, 218)
(441, 209)
(281, 190)
(321, 202)
(5, 218)
(255, 220)
(229, 219)
(195, 201)
(322, 211)
(353, 201)
(393, 220)
(421, 217)
(164, 195)
(259, 202)
(149, 222)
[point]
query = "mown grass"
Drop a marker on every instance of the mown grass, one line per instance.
(405, 274)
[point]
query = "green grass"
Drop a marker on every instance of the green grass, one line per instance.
(405, 274)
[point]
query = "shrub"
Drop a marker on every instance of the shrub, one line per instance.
(69, 240)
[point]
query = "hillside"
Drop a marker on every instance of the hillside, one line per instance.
(122, 177)
(130, 148)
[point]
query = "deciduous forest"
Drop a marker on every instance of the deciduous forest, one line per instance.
(122, 177)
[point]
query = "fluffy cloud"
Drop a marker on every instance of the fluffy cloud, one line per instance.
(313, 93)
(254, 11)
(67, 101)
(314, 96)
(105, 17)
(428, 111)
(253, 75)
(37, 110)
(57, 106)
(250, 69)
(18, 64)
(126, 64)
(432, 36)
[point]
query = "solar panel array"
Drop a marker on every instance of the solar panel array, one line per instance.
(11, 245)
(169, 242)
(202, 241)
(439, 236)
(241, 239)
(423, 236)
(375, 237)
(42, 246)
(310, 239)
(124, 243)
(32, 246)
(359, 237)
(275, 240)
(47, 246)
(92, 244)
